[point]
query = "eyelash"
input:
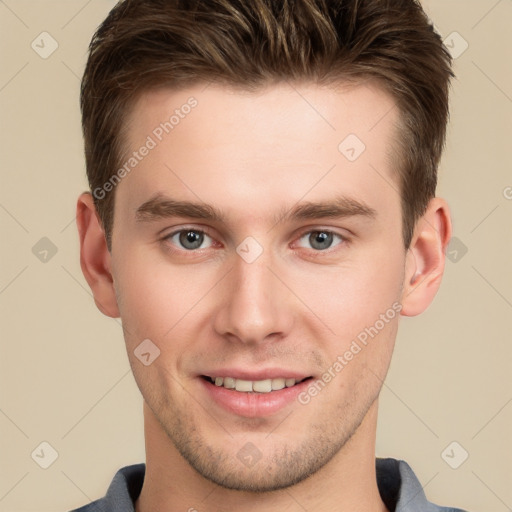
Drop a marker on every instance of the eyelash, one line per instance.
(343, 239)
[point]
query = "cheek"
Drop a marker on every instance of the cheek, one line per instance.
(357, 365)
(155, 296)
(353, 296)
(145, 304)
(155, 301)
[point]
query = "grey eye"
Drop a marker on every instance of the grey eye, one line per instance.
(189, 239)
(320, 239)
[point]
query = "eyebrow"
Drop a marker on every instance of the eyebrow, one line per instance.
(162, 207)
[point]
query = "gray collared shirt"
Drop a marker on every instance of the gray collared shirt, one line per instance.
(398, 486)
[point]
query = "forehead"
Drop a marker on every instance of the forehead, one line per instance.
(281, 142)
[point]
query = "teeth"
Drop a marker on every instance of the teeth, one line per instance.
(229, 382)
(277, 383)
(258, 386)
(243, 385)
(262, 386)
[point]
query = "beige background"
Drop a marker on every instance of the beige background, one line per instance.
(64, 374)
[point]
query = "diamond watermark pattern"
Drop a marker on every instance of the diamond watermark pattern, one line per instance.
(454, 455)
(351, 147)
(455, 44)
(146, 352)
(44, 250)
(249, 455)
(44, 455)
(44, 45)
(456, 250)
(249, 250)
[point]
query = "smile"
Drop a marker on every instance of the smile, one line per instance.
(254, 386)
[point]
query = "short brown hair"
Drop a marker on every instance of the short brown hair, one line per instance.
(145, 44)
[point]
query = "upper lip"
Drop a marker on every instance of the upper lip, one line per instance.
(262, 374)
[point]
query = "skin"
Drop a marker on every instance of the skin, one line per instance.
(253, 155)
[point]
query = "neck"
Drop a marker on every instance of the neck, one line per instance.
(347, 483)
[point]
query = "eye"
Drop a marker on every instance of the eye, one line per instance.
(320, 240)
(189, 239)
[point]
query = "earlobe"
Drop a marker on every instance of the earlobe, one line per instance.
(425, 259)
(95, 259)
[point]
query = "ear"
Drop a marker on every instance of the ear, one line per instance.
(95, 259)
(425, 258)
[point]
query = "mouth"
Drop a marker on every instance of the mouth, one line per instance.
(254, 386)
(253, 393)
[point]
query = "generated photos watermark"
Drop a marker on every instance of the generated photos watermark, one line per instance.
(355, 348)
(152, 141)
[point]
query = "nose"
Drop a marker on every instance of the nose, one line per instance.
(253, 304)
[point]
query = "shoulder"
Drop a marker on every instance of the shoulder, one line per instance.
(122, 492)
(401, 490)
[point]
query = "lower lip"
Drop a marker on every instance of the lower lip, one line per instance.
(253, 405)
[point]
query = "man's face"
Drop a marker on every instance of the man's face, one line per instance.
(260, 292)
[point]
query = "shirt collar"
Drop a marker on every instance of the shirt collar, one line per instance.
(398, 486)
